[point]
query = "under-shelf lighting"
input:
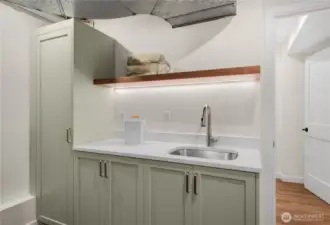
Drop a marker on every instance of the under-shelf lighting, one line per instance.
(188, 82)
(188, 88)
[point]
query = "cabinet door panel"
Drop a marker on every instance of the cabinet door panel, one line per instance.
(55, 162)
(166, 198)
(224, 197)
(125, 193)
(89, 192)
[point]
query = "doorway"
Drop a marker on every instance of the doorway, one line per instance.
(302, 61)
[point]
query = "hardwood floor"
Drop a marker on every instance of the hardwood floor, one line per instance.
(304, 207)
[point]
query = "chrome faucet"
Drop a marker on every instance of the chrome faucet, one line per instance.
(206, 116)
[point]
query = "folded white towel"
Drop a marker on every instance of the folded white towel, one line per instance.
(146, 58)
(149, 69)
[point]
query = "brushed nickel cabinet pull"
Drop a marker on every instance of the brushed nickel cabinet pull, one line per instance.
(195, 184)
(68, 135)
(105, 169)
(101, 168)
(187, 182)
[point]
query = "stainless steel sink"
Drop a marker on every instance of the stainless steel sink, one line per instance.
(205, 153)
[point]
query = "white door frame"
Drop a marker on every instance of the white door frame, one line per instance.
(267, 134)
(1, 75)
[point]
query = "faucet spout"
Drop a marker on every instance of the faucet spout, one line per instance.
(206, 122)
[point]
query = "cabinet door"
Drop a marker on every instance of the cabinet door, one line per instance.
(55, 161)
(90, 193)
(125, 192)
(167, 194)
(223, 197)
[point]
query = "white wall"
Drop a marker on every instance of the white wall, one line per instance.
(146, 33)
(228, 42)
(17, 30)
(178, 109)
(289, 104)
(289, 115)
(239, 44)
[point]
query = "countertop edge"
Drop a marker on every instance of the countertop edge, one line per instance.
(256, 170)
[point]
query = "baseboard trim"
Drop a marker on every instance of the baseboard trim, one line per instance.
(33, 223)
(20, 212)
(316, 185)
(290, 179)
(49, 221)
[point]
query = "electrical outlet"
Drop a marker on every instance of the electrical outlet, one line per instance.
(122, 116)
(167, 115)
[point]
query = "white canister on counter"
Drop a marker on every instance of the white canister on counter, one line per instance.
(134, 131)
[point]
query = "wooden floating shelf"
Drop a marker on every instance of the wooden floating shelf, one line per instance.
(182, 75)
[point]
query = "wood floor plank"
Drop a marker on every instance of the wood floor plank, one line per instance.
(304, 206)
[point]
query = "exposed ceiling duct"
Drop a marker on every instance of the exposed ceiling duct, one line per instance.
(176, 12)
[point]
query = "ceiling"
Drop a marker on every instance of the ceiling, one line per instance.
(176, 12)
(285, 27)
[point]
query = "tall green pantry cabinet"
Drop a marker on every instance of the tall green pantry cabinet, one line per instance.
(70, 54)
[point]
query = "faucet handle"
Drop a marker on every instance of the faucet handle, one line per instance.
(214, 140)
(202, 122)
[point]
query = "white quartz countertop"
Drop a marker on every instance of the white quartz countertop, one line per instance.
(248, 160)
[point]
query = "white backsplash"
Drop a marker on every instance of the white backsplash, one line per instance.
(197, 139)
(175, 111)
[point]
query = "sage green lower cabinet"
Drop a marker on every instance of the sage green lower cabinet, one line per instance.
(223, 197)
(177, 194)
(167, 197)
(90, 192)
(127, 191)
(108, 190)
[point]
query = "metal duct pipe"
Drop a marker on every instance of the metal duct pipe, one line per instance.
(36, 13)
(176, 12)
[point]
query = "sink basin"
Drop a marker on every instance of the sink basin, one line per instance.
(205, 153)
